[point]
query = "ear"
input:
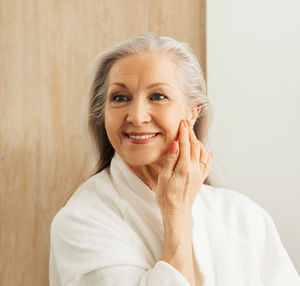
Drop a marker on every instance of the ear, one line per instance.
(194, 113)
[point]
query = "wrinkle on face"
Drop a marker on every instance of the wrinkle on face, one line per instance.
(132, 76)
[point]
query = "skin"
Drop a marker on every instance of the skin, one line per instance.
(138, 111)
(169, 165)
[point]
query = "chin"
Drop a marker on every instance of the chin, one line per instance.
(142, 158)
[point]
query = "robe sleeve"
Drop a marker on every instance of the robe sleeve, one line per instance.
(274, 263)
(87, 251)
(161, 274)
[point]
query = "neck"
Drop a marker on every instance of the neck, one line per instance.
(148, 173)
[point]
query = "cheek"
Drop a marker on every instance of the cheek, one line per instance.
(112, 122)
(108, 119)
(171, 121)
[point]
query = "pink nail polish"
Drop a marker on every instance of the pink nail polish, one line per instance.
(173, 148)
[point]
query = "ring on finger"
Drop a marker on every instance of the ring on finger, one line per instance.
(204, 163)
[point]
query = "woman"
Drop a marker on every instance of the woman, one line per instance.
(149, 215)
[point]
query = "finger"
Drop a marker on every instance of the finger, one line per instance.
(208, 167)
(171, 158)
(184, 146)
(204, 157)
(203, 153)
(195, 144)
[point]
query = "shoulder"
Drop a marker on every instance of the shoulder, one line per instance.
(94, 207)
(90, 233)
(98, 188)
(220, 194)
(234, 211)
(225, 200)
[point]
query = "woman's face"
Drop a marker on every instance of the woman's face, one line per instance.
(144, 107)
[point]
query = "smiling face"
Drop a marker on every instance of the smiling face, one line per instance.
(144, 107)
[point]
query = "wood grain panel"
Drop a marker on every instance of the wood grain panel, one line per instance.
(46, 48)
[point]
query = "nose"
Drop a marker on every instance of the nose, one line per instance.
(138, 112)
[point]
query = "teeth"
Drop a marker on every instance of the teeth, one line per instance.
(142, 137)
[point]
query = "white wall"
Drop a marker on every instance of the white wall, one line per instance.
(253, 78)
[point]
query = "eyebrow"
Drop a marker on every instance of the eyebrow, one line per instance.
(148, 87)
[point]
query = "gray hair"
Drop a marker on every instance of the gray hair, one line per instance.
(190, 77)
(190, 74)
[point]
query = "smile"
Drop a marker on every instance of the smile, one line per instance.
(141, 138)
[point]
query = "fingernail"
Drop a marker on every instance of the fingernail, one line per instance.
(211, 154)
(173, 148)
(183, 122)
(189, 122)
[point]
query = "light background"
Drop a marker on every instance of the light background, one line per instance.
(253, 78)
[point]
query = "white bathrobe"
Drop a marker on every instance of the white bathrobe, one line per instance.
(111, 233)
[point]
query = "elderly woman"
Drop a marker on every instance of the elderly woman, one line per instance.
(149, 214)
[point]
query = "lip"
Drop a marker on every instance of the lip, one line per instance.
(141, 141)
(140, 133)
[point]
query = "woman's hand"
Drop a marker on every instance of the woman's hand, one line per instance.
(178, 184)
(182, 176)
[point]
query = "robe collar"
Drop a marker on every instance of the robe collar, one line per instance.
(123, 176)
(134, 191)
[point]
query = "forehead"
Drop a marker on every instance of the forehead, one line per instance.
(145, 67)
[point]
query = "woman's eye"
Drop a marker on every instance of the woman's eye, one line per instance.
(158, 96)
(119, 98)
